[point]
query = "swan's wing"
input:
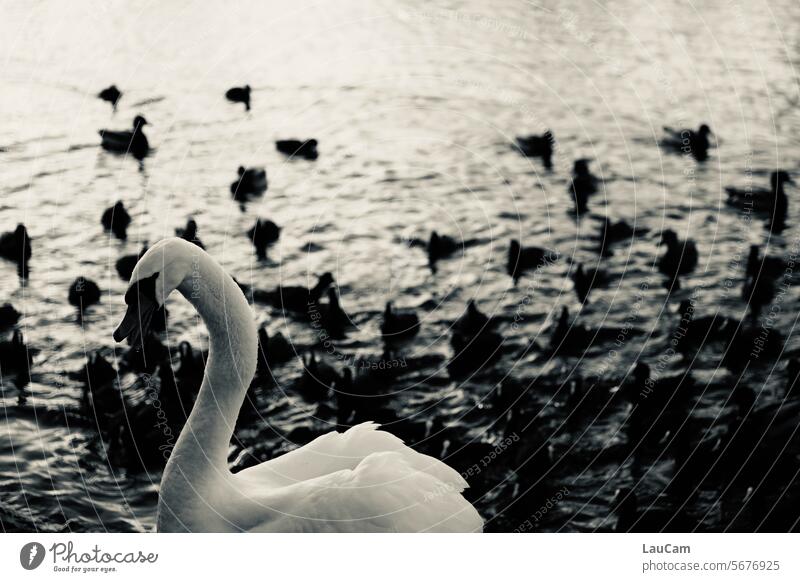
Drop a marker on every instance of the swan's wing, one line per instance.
(336, 451)
(384, 492)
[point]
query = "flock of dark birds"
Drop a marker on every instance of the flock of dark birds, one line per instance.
(747, 455)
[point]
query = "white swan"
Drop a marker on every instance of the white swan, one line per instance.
(362, 480)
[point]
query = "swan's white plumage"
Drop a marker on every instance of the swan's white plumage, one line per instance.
(362, 480)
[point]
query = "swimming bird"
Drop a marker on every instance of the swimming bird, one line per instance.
(568, 338)
(100, 396)
(537, 146)
(440, 247)
(758, 290)
(264, 233)
(116, 219)
(659, 404)
(15, 356)
(330, 317)
(273, 350)
(586, 280)
(126, 263)
(522, 259)
(689, 142)
(398, 325)
(473, 321)
(362, 480)
(110, 94)
(133, 141)
(680, 258)
(83, 293)
(614, 232)
(318, 379)
(474, 341)
(692, 332)
(8, 315)
(295, 297)
(295, 148)
(189, 233)
(770, 266)
(752, 345)
(239, 95)
(771, 201)
(583, 184)
(251, 182)
(16, 245)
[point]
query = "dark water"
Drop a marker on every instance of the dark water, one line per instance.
(414, 107)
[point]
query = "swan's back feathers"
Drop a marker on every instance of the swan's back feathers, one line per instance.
(336, 451)
(364, 479)
(384, 493)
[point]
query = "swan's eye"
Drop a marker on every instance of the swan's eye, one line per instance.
(142, 288)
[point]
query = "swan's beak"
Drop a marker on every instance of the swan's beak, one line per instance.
(137, 321)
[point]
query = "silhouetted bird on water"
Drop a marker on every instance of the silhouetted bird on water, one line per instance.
(16, 245)
(770, 266)
(571, 338)
(583, 184)
(440, 247)
(474, 341)
(398, 325)
(771, 202)
(295, 297)
(317, 380)
(472, 322)
(110, 94)
(126, 263)
(688, 141)
(264, 233)
(298, 149)
(190, 233)
(659, 404)
(273, 350)
(123, 142)
(8, 315)
(239, 95)
(251, 182)
(538, 146)
(586, 280)
(758, 290)
(615, 232)
(83, 293)
(692, 332)
(14, 354)
(522, 259)
(116, 219)
(680, 258)
(330, 316)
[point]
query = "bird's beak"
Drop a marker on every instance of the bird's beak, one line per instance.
(137, 321)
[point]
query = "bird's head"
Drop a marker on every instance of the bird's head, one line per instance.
(704, 130)
(158, 273)
(139, 122)
(668, 237)
(780, 177)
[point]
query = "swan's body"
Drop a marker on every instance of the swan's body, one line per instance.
(363, 480)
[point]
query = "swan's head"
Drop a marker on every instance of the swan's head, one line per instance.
(158, 273)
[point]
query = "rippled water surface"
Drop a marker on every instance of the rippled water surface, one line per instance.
(414, 107)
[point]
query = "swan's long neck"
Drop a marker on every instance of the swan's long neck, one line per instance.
(200, 454)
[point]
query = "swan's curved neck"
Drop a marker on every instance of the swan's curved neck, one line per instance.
(200, 454)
